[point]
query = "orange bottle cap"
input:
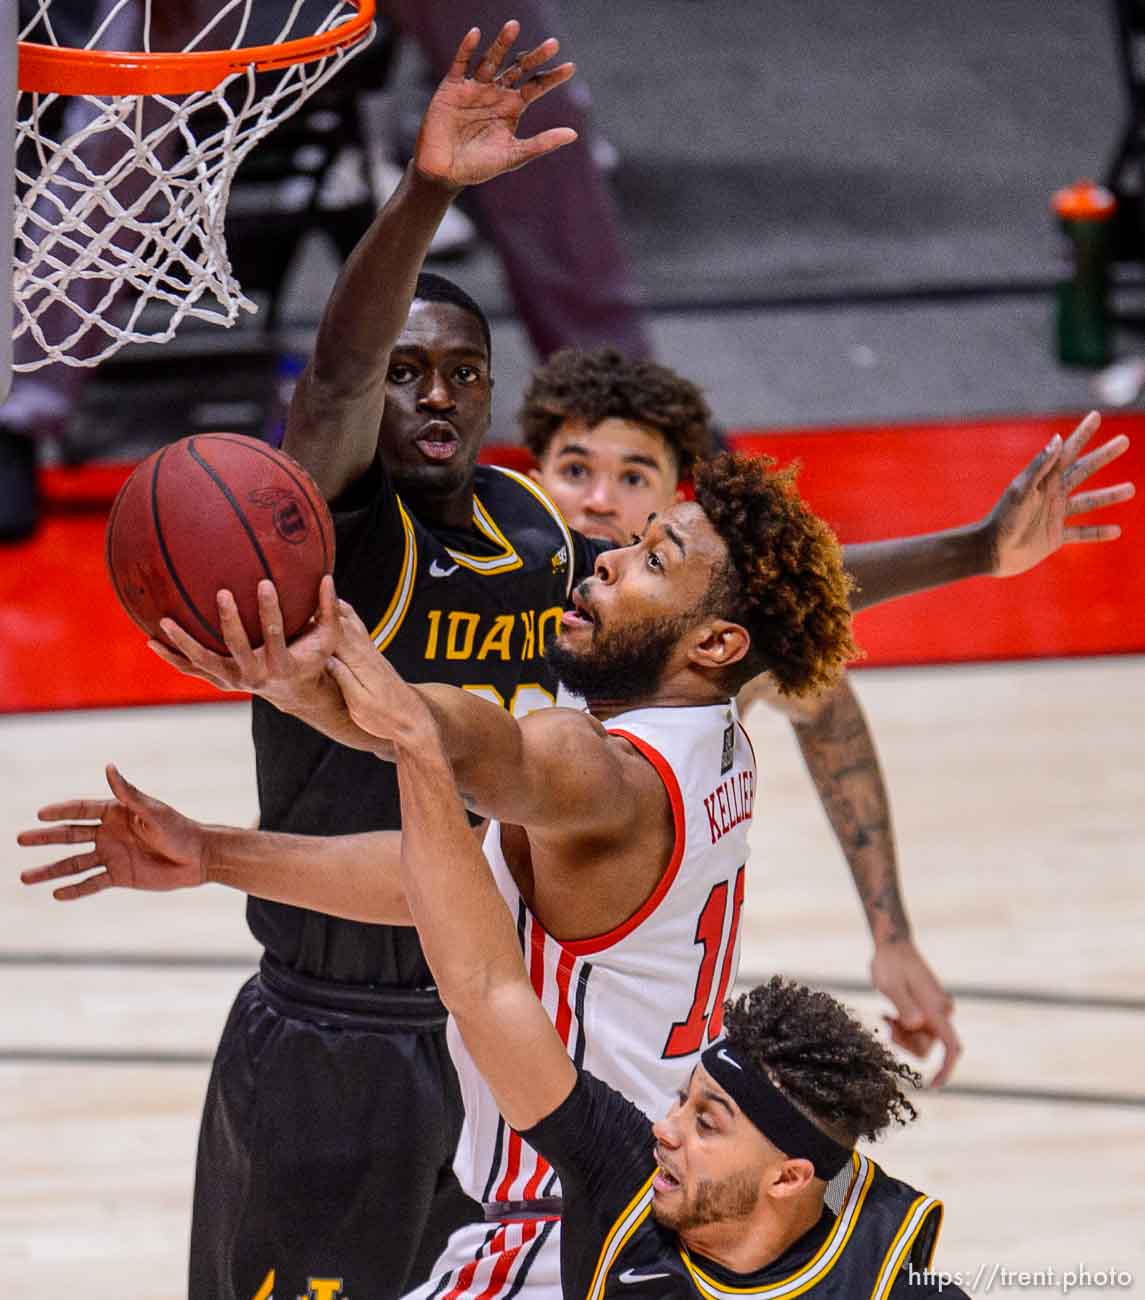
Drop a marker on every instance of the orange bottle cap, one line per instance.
(1084, 201)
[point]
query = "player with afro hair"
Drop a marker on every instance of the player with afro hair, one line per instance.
(825, 1062)
(784, 578)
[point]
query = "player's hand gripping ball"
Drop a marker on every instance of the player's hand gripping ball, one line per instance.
(218, 510)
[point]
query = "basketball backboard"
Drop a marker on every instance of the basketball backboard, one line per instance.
(7, 169)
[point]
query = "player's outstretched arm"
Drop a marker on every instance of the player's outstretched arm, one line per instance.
(469, 938)
(139, 842)
(839, 750)
(1030, 521)
(468, 135)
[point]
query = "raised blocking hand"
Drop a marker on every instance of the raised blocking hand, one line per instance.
(469, 131)
(137, 843)
(1031, 520)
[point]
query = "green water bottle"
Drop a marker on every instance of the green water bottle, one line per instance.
(1083, 212)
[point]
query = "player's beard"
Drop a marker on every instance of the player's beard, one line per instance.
(623, 663)
(727, 1200)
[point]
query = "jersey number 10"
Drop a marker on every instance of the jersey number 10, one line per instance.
(686, 1036)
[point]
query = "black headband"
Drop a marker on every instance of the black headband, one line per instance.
(771, 1112)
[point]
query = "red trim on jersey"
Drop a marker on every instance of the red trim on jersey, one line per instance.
(505, 1263)
(582, 947)
(465, 1274)
(563, 1024)
(748, 739)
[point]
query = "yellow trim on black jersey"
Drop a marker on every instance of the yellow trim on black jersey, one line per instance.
(626, 1223)
(506, 562)
(815, 1270)
(553, 509)
(912, 1224)
(391, 620)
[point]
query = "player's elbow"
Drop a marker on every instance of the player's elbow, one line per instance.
(473, 992)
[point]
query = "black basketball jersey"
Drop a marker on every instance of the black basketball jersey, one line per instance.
(876, 1243)
(471, 607)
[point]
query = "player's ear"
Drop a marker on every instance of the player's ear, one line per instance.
(791, 1177)
(719, 644)
(535, 474)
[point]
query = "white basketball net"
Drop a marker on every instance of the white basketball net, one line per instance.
(119, 227)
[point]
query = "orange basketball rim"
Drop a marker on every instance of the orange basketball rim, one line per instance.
(56, 69)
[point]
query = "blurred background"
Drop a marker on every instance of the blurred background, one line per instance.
(836, 219)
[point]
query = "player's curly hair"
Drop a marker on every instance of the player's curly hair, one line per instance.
(826, 1063)
(784, 580)
(603, 384)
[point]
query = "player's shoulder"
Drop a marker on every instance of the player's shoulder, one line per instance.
(560, 725)
(509, 487)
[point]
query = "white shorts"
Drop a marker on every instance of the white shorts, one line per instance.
(490, 1260)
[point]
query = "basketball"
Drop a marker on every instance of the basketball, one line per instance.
(218, 510)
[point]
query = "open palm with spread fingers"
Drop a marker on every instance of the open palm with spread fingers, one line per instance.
(469, 132)
(1032, 518)
(137, 843)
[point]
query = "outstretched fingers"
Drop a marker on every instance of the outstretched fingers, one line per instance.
(65, 833)
(1097, 459)
(73, 810)
(543, 82)
(1092, 533)
(494, 56)
(526, 64)
(1099, 498)
(460, 65)
(536, 146)
(83, 888)
(76, 865)
(1085, 430)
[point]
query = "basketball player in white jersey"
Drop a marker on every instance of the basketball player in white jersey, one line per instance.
(620, 835)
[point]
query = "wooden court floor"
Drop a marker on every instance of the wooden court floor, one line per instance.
(1019, 798)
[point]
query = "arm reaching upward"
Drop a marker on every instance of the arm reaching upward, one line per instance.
(468, 135)
(1029, 523)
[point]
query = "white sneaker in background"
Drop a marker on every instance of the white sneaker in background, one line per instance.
(456, 234)
(1121, 383)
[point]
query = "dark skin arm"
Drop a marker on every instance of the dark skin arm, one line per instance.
(468, 135)
(1030, 522)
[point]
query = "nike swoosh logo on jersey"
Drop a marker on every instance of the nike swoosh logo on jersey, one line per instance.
(436, 570)
(630, 1276)
(723, 1056)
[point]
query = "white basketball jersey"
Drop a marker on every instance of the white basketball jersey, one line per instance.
(637, 1005)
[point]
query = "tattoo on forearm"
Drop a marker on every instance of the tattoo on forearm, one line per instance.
(840, 755)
